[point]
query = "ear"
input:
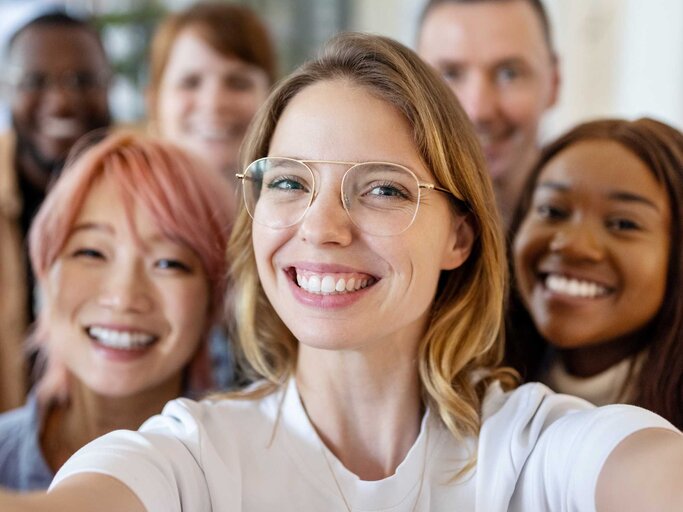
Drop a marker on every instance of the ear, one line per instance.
(461, 240)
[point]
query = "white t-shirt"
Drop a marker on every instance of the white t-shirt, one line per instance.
(537, 451)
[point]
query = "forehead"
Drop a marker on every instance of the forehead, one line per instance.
(484, 32)
(598, 165)
(57, 46)
(190, 50)
(106, 203)
(340, 120)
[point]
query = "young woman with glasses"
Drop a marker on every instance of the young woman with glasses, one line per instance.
(370, 287)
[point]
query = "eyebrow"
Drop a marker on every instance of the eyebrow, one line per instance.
(614, 195)
(96, 226)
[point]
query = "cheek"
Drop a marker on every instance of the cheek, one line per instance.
(23, 108)
(523, 106)
(266, 243)
(648, 274)
(526, 249)
(97, 105)
(64, 290)
(170, 105)
(190, 307)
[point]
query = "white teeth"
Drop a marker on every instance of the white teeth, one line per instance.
(574, 287)
(61, 127)
(331, 284)
(314, 284)
(122, 340)
(327, 285)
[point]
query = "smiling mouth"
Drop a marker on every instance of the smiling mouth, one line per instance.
(61, 127)
(330, 283)
(120, 340)
(581, 288)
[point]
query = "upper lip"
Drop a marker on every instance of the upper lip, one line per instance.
(328, 268)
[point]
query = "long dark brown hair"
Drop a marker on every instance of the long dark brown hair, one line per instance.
(659, 381)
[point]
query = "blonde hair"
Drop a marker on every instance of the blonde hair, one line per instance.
(460, 352)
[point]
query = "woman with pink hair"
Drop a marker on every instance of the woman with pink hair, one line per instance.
(129, 253)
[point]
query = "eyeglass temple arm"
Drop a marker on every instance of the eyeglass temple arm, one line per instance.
(460, 203)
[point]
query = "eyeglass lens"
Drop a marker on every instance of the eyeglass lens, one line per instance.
(380, 198)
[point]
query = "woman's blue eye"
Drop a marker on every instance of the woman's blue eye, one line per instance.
(286, 183)
(388, 190)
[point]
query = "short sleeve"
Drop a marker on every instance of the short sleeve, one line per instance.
(160, 463)
(562, 470)
(543, 451)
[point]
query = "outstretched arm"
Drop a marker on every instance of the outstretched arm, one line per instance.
(79, 493)
(644, 472)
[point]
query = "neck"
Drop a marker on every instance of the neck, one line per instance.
(34, 173)
(88, 415)
(366, 407)
(592, 360)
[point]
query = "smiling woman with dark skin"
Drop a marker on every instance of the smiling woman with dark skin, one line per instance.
(598, 245)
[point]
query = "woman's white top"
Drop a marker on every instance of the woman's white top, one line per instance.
(537, 451)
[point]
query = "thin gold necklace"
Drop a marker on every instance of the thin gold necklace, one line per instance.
(422, 475)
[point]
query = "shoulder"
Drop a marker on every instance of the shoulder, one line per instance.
(187, 419)
(544, 446)
(16, 425)
(536, 404)
(22, 466)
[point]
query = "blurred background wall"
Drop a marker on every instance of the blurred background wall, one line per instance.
(618, 57)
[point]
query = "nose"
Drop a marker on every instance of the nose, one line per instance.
(60, 99)
(578, 241)
(479, 98)
(214, 96)
(127, 290)
(326, 221)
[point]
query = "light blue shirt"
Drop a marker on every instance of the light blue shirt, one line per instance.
(22, 465)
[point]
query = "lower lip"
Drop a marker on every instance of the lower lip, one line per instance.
(120, 355)
(333, 301)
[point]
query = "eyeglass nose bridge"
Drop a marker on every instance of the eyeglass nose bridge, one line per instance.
(345, 202)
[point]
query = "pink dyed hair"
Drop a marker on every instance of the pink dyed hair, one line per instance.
(189, 203)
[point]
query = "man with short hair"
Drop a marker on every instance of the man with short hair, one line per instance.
(57, 75)
(497, 56)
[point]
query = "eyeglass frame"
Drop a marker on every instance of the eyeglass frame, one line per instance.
(461, 204)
